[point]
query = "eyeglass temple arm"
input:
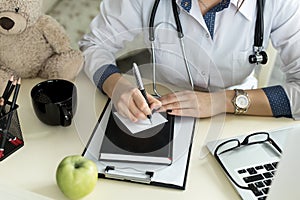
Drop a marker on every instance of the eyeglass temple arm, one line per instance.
(275, 145)
(227, 173)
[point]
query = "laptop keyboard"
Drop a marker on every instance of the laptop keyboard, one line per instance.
(259, 178)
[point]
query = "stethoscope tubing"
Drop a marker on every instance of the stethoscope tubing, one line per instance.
(180, 37)
(259, 55)
(259, 27)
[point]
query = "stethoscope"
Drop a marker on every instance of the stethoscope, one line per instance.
(259, 56)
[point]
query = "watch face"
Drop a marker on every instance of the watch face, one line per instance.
(242, 101)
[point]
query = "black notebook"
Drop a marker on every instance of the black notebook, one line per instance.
(154, 145)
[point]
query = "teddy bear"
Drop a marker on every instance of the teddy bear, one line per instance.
(33, 44)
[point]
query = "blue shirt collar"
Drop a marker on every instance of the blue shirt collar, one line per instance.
(187, 4)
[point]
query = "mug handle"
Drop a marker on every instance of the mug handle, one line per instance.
(66, 116)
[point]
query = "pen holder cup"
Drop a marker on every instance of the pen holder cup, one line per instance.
(10, 131)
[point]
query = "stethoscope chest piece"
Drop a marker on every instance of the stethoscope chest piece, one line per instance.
(259, 57)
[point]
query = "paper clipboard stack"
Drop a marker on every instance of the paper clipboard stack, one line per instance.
(172, 175)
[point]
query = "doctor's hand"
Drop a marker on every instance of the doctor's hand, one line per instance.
(128, 99)
(194, 103)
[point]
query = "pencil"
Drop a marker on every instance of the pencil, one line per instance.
(4, 137)
(4, 97)
(14, 100)
(1, 103)
(9, 82)
(9, 92)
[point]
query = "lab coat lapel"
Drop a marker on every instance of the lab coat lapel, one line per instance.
(248, 9)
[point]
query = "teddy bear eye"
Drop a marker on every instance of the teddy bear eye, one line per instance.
(17, 9)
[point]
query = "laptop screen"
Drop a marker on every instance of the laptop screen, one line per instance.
(286, 182)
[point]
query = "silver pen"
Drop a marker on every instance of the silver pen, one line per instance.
(140, 85)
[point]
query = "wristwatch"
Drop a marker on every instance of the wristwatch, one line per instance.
(240, 101)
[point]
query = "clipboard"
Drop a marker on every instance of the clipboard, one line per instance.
(171, 176)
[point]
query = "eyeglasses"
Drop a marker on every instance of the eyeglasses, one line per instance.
(229, 145)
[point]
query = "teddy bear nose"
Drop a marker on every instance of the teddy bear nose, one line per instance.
(6, 23)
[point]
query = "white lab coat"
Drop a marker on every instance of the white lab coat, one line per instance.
(221, 62)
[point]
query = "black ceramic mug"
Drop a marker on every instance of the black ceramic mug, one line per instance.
(54, 101)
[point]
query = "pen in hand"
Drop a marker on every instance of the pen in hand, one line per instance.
(140, 85)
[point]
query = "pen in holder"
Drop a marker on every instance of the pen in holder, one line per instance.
(10, 131)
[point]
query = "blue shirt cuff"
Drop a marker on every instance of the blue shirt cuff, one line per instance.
(103, 73)
(279, 101)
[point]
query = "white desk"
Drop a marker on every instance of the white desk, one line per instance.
(33, 167)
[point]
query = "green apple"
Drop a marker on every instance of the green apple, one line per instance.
(76, 176)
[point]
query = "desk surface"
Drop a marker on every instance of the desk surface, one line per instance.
(32, 168)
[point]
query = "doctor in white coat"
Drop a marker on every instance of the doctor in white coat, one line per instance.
(218, 40)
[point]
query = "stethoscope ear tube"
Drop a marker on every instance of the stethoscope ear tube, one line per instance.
(151, 21)
(177, 20)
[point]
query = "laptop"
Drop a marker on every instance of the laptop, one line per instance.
(260, 171)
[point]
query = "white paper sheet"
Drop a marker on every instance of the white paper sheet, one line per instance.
(135, 127)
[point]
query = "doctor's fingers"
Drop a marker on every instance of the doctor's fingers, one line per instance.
(125, 105)
(142, 103)
(178, 97)
(189, 107)
(197, 113)
(180, 105)
(140, 108)
(132, 104)
(187, 113)
(123, 109)
(154, 102)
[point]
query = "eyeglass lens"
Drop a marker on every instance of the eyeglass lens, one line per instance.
(256, 138)
(228, 146)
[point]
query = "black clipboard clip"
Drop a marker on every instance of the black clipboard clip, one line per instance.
(111, 172)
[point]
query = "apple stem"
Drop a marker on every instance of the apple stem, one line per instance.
(78, 165)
